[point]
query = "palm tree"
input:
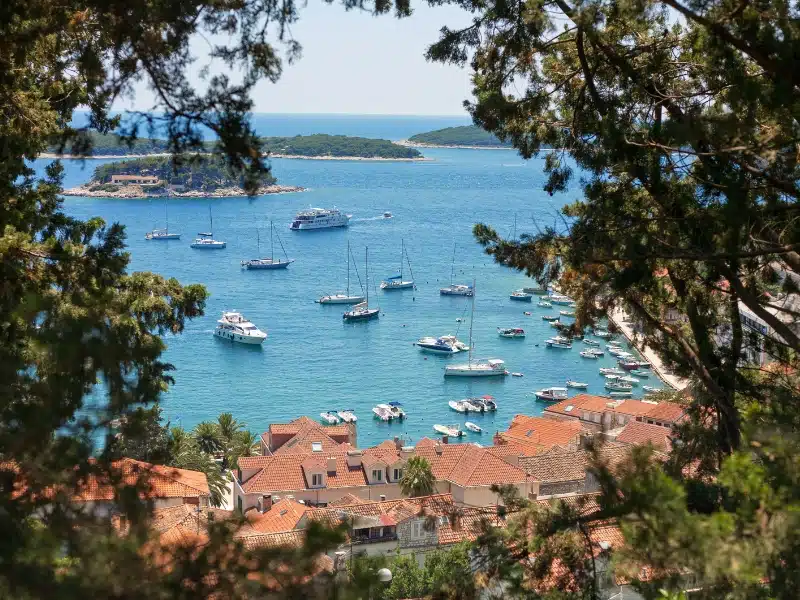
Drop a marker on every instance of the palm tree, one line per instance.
(418, 479)
(246, 443)
(228, 427)
(180, 442)
(195, 460)
(206, 434)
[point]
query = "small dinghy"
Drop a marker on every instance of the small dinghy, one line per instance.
(348, 416)
(549, 318)
(472, 427)
(449, 431)
(517, 374)
(330, 417)
(578, 385)
(652, 390)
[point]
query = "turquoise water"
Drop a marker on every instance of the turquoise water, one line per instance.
(312, 362)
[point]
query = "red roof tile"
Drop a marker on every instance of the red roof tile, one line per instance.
(638, 433)
(469, 465)
(285, 473)
(668, 412)
(534, 434)
(283, 516)
(162, 482)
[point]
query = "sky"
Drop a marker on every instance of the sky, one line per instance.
(356, 63)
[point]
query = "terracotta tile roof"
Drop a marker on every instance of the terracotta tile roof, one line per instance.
(291, 539)
(397, 510)
(563, 408)
(310, 433)
(285, 472)
(370, 459)
(467, 524)
(556, 466)
(534, 434)
(347, 500)
(469, 465)
(184, 524)
(666, 411)
(162, 482)
(283, 516)
(638, 433)
(601, 404)
(294, 427)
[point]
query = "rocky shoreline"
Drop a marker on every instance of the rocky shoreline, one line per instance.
(412, 144)
(135, 191)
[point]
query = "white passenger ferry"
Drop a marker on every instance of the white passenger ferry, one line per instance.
(319, 218)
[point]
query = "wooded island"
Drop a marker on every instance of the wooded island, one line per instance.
(466, 135)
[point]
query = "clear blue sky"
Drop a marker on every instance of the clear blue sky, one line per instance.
(355, 63)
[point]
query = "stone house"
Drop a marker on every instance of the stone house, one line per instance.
(134, 179)
(598, 413)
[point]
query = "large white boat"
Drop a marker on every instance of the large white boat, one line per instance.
(511, 332)
(446, 344)
(163, 234)
(558, 343)
(521, 296)
(319, 218)
(552, 394)
(344, 298)
(448, 430)
(396, 282)
(588, 354)
(362, 312)
(234, 327)
(455, 289)
(206, 241)
(560, 299)
(268, 263)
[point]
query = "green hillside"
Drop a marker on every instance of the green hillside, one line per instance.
(466, 135)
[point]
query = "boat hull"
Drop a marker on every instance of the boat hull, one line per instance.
(219, 246)
(455, 292)
(341, 300)
(304, 226)
(366, 315)
(249, 340)
(251, 265)
(455, 371)
(403, 285)
(169, 236)
(437, 350)
(522, 298)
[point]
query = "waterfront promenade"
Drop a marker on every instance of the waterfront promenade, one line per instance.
(624, 324)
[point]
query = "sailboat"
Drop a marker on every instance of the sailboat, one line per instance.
(396, 281)
(163, 234)
(455, 289)
(268, 263)
(206, 241)
(346, 298)
(362, 312)
(492, 367)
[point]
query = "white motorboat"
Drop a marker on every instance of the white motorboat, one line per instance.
(554, 343)
(589, 355)
(521, 296)
(517, 374)
(644, 364)
(329, 417)
(618, 386)
(511, 332)
(544, 304)
(651, 389)
(473, 427)
(348, 416)
(383, 413)
(396, 282)
(455, 289)
(628, 379)
(639, 373)
(602, 333)
(595, 351)
(566, 313)
(627, 364)
(578, 385)
(344, 298)
(396, 409)
(163, 234)
(493, 367)
(460, 406)
(446, 344)
(205, 240)
(362, 311)
(485, 403)
(387, 215)
(559, 299)
(319, 218)
(613, 343)
(611, 371)
(555, 324)
(268, 263)
(537, 291)
(621, 394)
(234, 327)
(592, 343)
(448, 430)
(549, 318)
(552, 394)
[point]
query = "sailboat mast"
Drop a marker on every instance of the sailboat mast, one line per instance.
(366, 264)
(211, 220)
(347, 258)
(401, 260)
(258, 243)
(453, 265)
(271, 248)
(471, 319)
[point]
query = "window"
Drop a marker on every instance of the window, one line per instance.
(316, 446)
(418, 529)
(316, 480)
(398, 474)
(377, 475)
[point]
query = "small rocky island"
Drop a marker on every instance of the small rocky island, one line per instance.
(465, 136)
(156, 176)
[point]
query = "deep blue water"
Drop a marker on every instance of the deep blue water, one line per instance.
(313, 362)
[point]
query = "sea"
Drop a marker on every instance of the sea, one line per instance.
(312, 361)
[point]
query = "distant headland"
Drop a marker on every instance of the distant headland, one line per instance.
(465, 136)
(156, 176)
(310, 147)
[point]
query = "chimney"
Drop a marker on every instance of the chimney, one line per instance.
(512, 459)
(266, 503)
(382, 497)
(398, 444)
(331, 464)
(354, 458)
(438, 448)
(406, 451)
(445, 439)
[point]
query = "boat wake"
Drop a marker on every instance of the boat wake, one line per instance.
(378, 218)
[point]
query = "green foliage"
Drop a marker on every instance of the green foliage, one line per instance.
(301, 145)
(206, 173)
(465, 135)
(206, 434)
(418, 479)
